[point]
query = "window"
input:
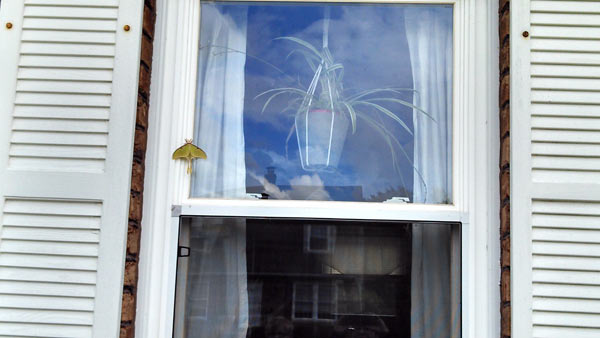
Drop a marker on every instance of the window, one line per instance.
(469, 203)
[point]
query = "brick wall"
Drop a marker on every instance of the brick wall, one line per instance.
(504, 31)
(137, 175)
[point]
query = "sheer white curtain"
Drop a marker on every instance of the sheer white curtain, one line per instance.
(435, 295)
(221, 259)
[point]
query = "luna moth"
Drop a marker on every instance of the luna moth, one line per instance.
(188, 152)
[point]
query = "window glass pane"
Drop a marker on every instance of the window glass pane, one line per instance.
(345, 102)
(254, 278)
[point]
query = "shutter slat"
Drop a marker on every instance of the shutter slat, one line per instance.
(568, 136)
(65, 74)
(565, 84)
(565, 277)
(563, 19)
(565, 221)
(52, 61)
(566, 291)
(565, 149)
(51, 234)
(100, 12)
(566, 305)
(70, 24)
(70, 49)
(36, 137)
(562, 45)
(541, 331)
(47, 276)
(49, 262)
(566, 249)
(65, 87)
(62, 125)
(565, 6)
(567, 71)
(566, 263)
(566, 163)
(566, 123)
(104, 38)
(47, 303)
(49, 248)
(45, 316)
(47, 289)
(566, 32)
(566, 319)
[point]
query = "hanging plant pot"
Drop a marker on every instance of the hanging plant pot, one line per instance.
(321, 135)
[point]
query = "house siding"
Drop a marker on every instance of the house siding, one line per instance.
(128, 311)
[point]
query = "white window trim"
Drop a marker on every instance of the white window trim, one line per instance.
(475, 167)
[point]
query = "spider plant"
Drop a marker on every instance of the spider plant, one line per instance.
(326, 91)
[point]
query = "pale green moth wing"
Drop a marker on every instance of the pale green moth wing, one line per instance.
(197, 152)
(189, 151)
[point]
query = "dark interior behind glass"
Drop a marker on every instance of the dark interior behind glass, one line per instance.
(304, 278)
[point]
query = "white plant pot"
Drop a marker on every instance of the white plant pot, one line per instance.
(321, 136)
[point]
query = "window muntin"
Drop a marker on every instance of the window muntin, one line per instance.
(265, 153)
(263, 282)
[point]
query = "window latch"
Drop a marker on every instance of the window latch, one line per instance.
(183, 251)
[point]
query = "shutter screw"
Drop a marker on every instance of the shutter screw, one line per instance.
(9, 25)
(525, 34)
(126, 28)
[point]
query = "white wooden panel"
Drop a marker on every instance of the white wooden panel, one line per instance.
(13, 330)
(568, 123)
(67, 109)
(103, 38)
(566, 32)
(540, 331)
(100, 12)
(62, 125)
(566, 319)
(64, 74)
(566, 305)
(51, 137)
(566, 235)
(47, 276)
(572, 97)
(81, 3)
(565, 176)
(70, 24)
(95, 113)
(566, 277)
(53, 61)
(566, 291)
(71, 49)
(558, 168)
(45, 316)
(541, 108)
(565, 19)
(565, 84)
(49, 248)
(47, 303)
(565, 6)
(47, 289)
(49, 262)
(566, 263)
(562, 45)
(51, 234)
(566, 221)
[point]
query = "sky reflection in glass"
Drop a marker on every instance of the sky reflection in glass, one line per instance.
(374, 162)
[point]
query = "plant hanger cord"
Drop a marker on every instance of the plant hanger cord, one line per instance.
(326, 50)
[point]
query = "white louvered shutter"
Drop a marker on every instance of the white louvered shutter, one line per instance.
(555, 134)
(68, 84)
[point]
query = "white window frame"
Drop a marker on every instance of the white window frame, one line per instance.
(475, 167)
